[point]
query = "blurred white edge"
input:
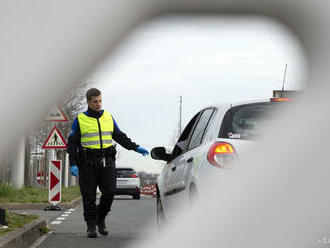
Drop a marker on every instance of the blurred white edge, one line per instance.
(279, 198)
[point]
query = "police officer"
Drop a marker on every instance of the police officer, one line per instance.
(92, 154)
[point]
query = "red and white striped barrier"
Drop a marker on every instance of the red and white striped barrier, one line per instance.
(54, 195)
(149, 190)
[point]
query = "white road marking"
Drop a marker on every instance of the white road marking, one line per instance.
(64, 215)
(60, 218)
(67, 212)
(72, 209)
(55, 222)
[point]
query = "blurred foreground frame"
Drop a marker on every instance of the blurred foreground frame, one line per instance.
(42, 39)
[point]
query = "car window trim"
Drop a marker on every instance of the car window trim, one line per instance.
(204, 132)
(197, 116)
(193, 129)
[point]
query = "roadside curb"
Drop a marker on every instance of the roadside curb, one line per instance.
(24, 236)
(39, 206)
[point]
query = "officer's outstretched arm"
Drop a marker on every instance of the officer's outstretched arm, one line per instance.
(122, 139)
(142, 150)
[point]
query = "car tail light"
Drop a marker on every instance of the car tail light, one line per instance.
(135, 176)
(220, 154)
(279, 99)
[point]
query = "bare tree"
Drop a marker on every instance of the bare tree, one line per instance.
(72, 104)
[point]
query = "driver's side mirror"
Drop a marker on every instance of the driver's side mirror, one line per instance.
(159, 153)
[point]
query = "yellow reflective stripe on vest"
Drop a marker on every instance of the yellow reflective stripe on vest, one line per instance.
(86, 135)
(90, 133)
(96, 142)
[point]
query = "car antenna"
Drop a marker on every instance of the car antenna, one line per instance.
(286, 66)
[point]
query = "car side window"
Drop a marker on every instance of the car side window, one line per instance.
(198, 134)
(181, 145)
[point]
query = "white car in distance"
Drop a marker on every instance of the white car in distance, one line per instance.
(128, 182)
(213, 138)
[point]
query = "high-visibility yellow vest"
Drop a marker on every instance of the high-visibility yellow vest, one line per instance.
(94, 134)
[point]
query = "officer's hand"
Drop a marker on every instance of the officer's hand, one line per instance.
(74, 170)
(143, 151)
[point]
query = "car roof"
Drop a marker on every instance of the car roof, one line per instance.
(238, 103)
(250, 102)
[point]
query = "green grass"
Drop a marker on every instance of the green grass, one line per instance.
(70, 193)
(9, 194)
(44, 230)
(15, 221)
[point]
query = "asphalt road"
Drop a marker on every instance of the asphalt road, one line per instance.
(128, 222)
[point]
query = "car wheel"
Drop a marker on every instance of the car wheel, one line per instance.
(136, 197)
(161, 220)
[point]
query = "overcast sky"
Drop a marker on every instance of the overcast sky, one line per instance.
(206, 60)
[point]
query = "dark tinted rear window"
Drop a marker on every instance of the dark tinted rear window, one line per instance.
(125, 172)
(247, 121)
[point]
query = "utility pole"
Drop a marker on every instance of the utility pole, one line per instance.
(66, 170)
(286, 66)
(180, 117)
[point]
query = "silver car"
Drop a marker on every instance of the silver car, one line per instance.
(128, 182)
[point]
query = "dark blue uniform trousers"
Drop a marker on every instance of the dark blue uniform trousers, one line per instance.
(93, 173)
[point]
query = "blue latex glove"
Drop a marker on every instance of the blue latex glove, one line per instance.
(74, 170)
(143, 151)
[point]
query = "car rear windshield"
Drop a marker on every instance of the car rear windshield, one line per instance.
(125, 172)
(247, 121)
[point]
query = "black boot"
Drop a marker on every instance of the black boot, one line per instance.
(91, 229)
(101, 226)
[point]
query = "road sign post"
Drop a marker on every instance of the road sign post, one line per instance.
(54, 141)
(55, 183)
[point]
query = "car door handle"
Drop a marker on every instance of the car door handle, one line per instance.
(173, 168)
(190, 160)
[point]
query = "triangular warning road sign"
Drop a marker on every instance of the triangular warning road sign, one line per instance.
(56, 115)
(54, 140)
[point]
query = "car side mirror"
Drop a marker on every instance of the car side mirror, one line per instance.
(159, 153)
